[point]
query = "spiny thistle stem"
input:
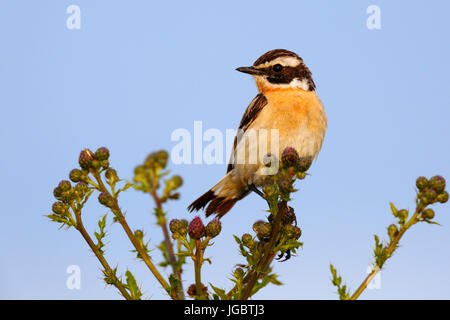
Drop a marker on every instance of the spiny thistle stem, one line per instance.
(79, 226)
(267, 257)
(169, 246)
(121, 219)
(389, 251)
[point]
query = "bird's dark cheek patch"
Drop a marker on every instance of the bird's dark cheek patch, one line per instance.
(278, 80)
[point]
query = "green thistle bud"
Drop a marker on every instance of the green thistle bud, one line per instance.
(428, 196)
(139, 234)
(428, 214)
(106, 199)
(75, 175)
(57, 193)
(64, 185)
(247, 240)
(104, 164)
(111, 175)
(196, 229)
(59, 208)
(402, 214)
(437, 183)
(392, 231)
(85, 159)
(175, 225)
(95, 164)
(213, 228)
(81, 188)
(421, 183)
(238, 273)
(442, 197)
(290, 157)
(256, 225)
(157, 160)
(102, 153)
(269, 190)
(264, 230)
(290, 231)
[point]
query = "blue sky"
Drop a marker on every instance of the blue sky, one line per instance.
(137, 71)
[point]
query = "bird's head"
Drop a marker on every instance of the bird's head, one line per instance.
(279, 69)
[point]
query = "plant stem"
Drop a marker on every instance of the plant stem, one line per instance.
(198, 266)
(169, 246)
(267, 257)
(390, 250)
(79, 226)
(121, 218)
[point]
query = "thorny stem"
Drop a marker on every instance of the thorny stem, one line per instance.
(266, 259)
(79, 226)
(390, 250)
(120, 217)
(169, 246)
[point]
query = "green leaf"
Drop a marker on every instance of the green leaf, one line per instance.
(220, 292)
(393, 209)
(132, 286)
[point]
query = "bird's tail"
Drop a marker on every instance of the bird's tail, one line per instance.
(220, 198)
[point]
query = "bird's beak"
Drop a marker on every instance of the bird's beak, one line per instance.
(251, 70)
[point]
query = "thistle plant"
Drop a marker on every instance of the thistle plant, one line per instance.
(273, 237)
(428, 192)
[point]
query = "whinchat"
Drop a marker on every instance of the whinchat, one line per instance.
(287, 103)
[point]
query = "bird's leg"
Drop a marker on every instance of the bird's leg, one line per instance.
(253, 188)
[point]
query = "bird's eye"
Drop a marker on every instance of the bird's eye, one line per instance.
(277, 68)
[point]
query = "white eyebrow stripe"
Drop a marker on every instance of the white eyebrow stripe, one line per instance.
(284, 61)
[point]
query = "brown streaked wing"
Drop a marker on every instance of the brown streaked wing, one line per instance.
(249, 116)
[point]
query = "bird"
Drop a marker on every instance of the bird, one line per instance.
(286, 102)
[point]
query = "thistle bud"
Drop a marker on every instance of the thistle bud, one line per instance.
(81, 188)
(269, 190)
(106, 199)
(85, 159)
(402, 214)
(213, 228)
(139, 235)
(111, 175)
(428, 214)
(264, 230)
(57, 193)
(392, 231)
(421, 183)
(238, 273)
(59, 208)
(290, 231)
(304, 163)
(247, 240)
(101, 154)
(442, 197)
(175, 225)
(196, 229)
(290, 157)
(437, 183)
(428, 196)
(64, 185)
(256, 225)
(157, 160)
(75, 175)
